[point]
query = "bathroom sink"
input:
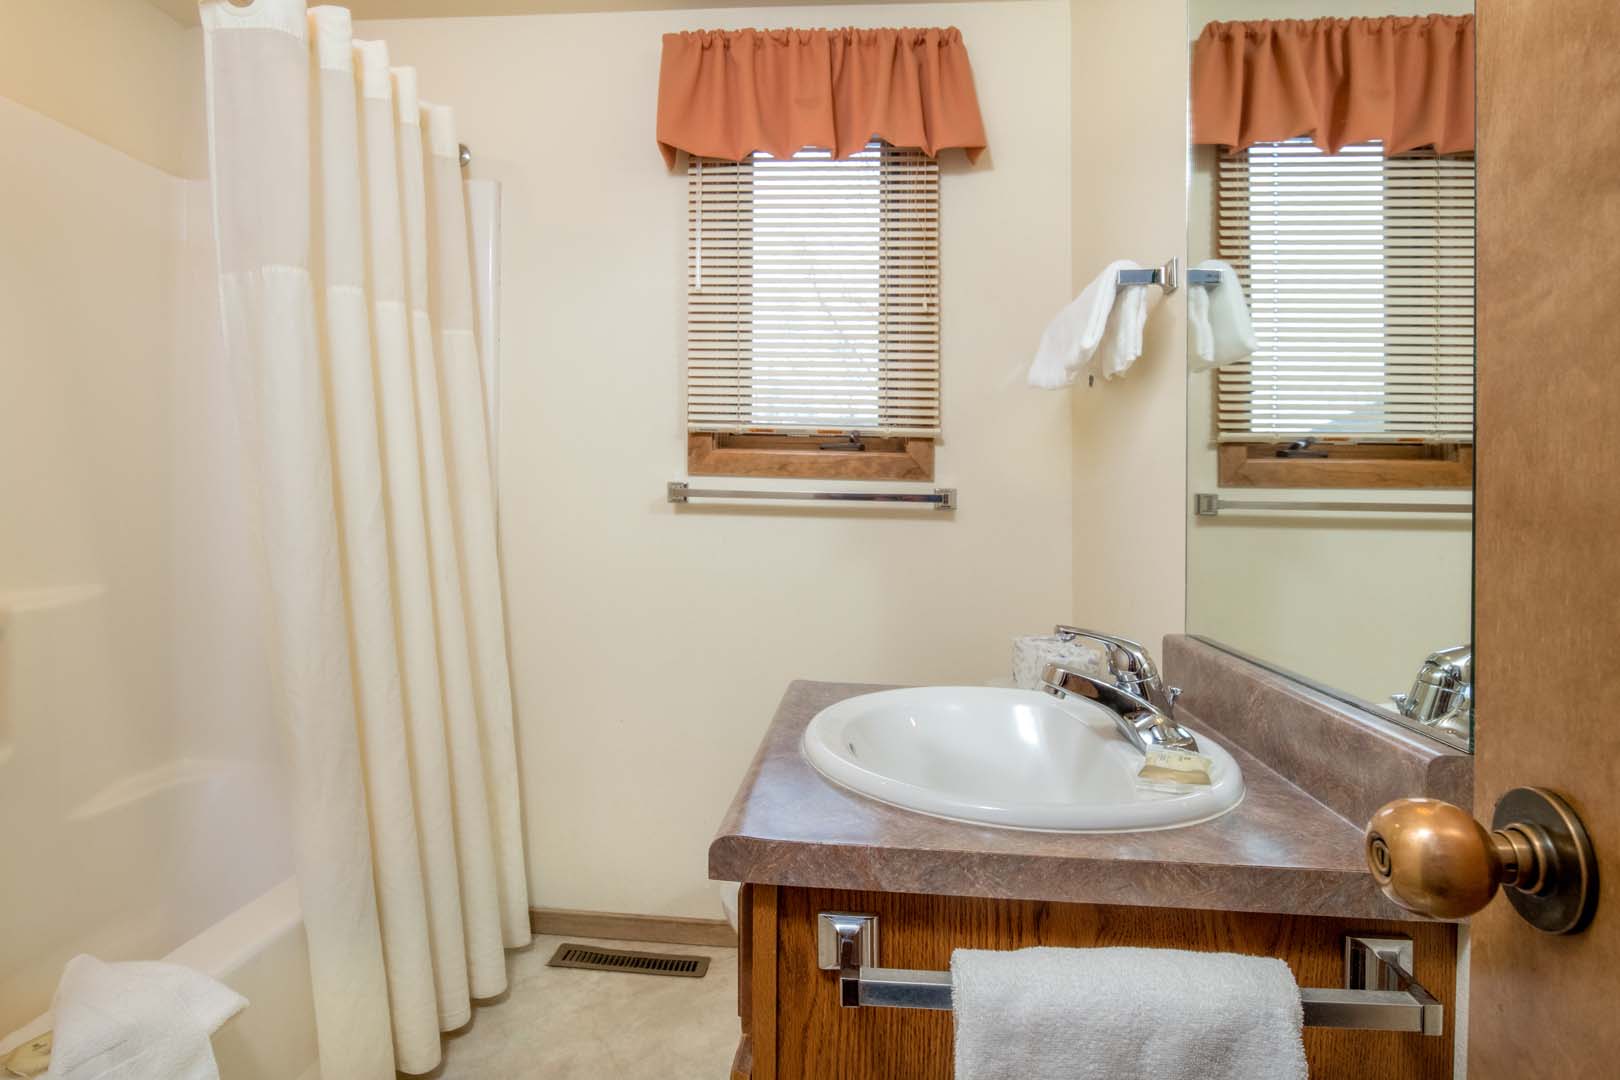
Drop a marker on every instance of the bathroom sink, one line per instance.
(1016, 758)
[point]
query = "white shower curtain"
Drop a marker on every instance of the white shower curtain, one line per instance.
(345, 280)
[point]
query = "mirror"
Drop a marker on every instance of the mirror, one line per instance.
(1330, 347)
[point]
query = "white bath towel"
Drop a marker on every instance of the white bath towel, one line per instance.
(1218, 320)
(137, 1021)
(1071, 339)
(1124, 1014)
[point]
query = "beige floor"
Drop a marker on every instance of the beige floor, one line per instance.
(562, 1024)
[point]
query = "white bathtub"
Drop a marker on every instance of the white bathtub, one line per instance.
(259, 951)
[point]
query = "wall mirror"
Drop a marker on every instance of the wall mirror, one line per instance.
(1331, 347)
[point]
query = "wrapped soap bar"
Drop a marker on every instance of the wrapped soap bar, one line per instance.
(1032, 654)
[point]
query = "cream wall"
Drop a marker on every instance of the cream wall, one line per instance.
(1129, 93)
(650, 645)
(1355, 603)
(140, 798)
(120, 71)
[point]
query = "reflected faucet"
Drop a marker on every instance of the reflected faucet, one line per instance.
(1442, 694)
(1142, 706)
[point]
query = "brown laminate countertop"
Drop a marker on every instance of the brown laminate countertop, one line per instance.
(1279, 851)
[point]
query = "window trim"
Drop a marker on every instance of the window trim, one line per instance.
(1347, 465)
(808, 457)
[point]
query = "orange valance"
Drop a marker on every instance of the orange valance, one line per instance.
(1408, 81)
(725, 94)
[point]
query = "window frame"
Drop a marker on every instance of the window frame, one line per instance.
(1329, 461)
(832, 453)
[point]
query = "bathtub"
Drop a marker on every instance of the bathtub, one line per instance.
(260, 952)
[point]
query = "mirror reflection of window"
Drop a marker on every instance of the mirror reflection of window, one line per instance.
(1330, 457)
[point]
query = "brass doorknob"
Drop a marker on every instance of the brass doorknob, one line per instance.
(1433, 858)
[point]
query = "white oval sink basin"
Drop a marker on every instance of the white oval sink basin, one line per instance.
(1017, 758)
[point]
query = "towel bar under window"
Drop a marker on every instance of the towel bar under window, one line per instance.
(1379, 991)
(939, 498)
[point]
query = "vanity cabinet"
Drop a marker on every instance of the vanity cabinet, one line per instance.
(1283, 874)
(793, 1027)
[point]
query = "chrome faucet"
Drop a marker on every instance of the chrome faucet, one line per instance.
(1142, 705)
(1442, 694)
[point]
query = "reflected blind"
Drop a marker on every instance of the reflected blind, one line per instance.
(813, 294)
(1359, 270)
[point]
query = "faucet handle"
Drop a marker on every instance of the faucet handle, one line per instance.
(1129, 662)
(1171, 693)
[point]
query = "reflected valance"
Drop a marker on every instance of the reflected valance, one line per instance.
(725, 94)
(1408, 81)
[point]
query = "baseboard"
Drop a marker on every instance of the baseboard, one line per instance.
(668, 929)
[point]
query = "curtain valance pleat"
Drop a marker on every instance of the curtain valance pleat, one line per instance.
(1405, 81)
(725, 94)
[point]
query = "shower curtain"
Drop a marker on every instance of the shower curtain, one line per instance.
(345, 281)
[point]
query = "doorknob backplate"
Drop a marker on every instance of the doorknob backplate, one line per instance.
(1565, 897)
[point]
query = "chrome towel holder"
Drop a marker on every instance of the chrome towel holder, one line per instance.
(1167, 277)
(1379, 991)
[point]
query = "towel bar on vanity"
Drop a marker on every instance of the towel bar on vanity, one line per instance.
(1379, 991)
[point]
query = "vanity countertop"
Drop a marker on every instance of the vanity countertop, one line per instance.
(1279, 851)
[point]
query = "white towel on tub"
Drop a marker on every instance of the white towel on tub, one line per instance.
(137, 1021)
(1124, 1014)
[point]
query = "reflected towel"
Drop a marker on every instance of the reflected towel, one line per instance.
(1073, 336)
(137, 1021)
(1218, 320)
(1123, 1014)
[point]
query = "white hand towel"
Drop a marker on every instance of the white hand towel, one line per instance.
(1071, 339)
(1125, 1014)
(1221, 331)
(1122, 339)
(137, 1021)
(1200, 337)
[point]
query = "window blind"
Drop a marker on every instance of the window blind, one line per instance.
(1359, 269)
(812, 294)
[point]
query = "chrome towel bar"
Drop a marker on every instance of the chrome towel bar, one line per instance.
(939, 498)
(1209, 505)
(1167, 277)
(1379, 991)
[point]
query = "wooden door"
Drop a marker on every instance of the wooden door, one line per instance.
(1547, 566)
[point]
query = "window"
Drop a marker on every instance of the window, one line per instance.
(1359, 268)
(812, 335)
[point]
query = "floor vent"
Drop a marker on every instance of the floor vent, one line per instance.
(594, 958)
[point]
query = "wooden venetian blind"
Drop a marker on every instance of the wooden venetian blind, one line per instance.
(1359, 270)
(813, 294)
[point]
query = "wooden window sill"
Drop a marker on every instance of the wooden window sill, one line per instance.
(801, 457)
(1348, 465)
